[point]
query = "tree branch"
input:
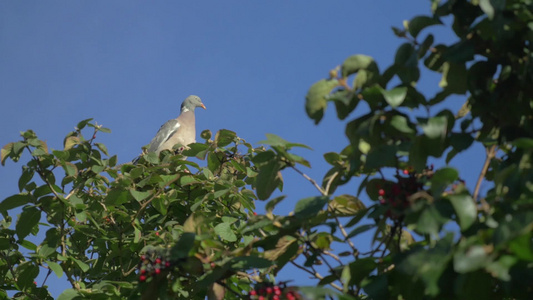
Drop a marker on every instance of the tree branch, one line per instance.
(491, 153)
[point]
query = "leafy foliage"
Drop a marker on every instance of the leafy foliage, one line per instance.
(167, 227)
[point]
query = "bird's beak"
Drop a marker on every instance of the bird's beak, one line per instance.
(203, 106)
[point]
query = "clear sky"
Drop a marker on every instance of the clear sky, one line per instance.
(129, 64)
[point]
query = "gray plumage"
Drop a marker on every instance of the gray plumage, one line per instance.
(181, 130)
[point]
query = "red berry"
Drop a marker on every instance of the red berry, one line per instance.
(406, 172)
(157, 233)
(261, 298)
(253, 292)
(269, 290)
(276, 297)
(143, 257)
(142, 278)
(157, 271)
(143, 271)
(277, 292)
(158, 260)
(255, 214)
(381, 192)
(167, 264)
(35, 282)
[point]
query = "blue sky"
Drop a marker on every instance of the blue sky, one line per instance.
(129, 64)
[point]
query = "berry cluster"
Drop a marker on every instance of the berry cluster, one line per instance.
(396, 195)
(151, 265)
(269, 291)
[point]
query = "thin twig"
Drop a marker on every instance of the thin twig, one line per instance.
(316, 275)
(491, 153)
(324, 193)
(313, 182)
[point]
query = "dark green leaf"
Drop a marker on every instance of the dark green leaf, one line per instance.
(25, 177)
(418, 23)
(454, 78)
(140, 195)
(29, 218)
(316, 101)
(15, 201)
(249, 262)
(268, 179)
(83, 123)
(26, 274)
(116, 197)
(309, 207)
(183, 246)
(442, 178)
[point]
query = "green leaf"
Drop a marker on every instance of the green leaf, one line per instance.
(102, 148)
(225, 232)
(309, 207)
(436, 127)
(470, 258)
(249, 262)
(83, 123)
(116, 197)
(360, 269)
(395, 97)
(28, 219)
(418, 23)
(5, 152)
(27, 175)
(5, 244)
(454, 78)
(183, 246)
(70, 168)
(274, 140)
(83, 266)
(442, 178)
(224, 137)
(355, 63)
(104, 129)
(465, 209)
(401, 124)
(316, 101)
(70, 142)
(381, 156)
(346, 205)
(268, 179)
(360, 229)
(428, 264)
(69, 294)
(139, 195)
(27, 272)
(56, 268)
(489, 7)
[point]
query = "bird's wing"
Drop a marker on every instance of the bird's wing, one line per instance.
(166, 131)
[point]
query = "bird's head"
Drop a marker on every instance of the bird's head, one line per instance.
(191, 103)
